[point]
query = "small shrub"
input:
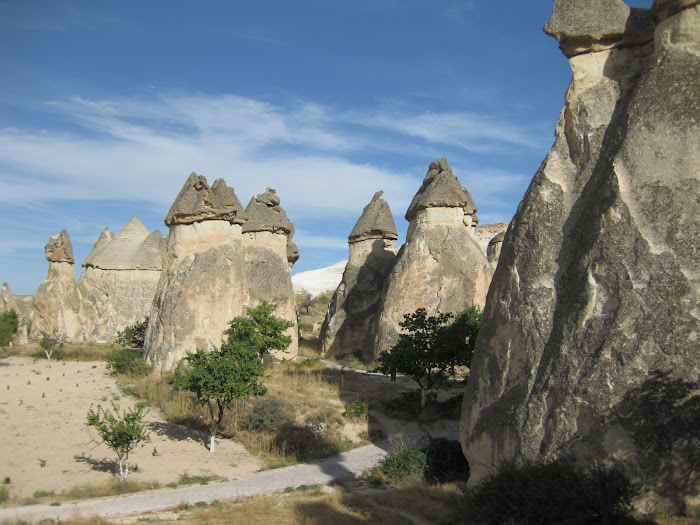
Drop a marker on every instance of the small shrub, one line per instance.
(309, 362)
(4, 493)
(403, 464)
(9, 325)
(267, 415)
(356, 410)
(550, 492)
(50, 342)
(128, 361)
(132, 336)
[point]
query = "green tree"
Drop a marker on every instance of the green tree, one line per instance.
(431, 346)
(9, 325)
(50, 341)
(218, 377)
(121, 432)
(132, 336)
(260, 330)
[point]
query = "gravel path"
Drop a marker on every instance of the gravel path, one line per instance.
(343, 466)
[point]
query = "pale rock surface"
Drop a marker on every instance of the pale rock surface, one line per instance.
(119, 279)
(266, 245)
(590, 337)
(493, 251)
(58, 305)
(441, 267)
(356, 304)
(484, 234)
(203, 284)
(23, 305)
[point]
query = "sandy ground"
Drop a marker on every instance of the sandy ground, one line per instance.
(45, 444)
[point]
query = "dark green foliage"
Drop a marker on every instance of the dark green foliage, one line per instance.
(551, 492)
(267, 415)
(132, 336)
(261, 330)
(356, 410)
(218, 377)
(9, 325)
(120, 432)
(408, 405)
(403, 463)
(446, 461)
(128, 361)
(432, 347)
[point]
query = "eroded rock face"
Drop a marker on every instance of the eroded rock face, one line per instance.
(266, 246)
(202, 285)
(119, 279)
(23, 305)
(441, 267)
(356, 304)
(58, 305)
(590, 335)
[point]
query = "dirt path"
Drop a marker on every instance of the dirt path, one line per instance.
(344, 466)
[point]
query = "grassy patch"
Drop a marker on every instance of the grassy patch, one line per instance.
(186, 479)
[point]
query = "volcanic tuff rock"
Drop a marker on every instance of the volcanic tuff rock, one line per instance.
(198, 202)
(441, 267)
(590, 337)
(356, 303)
(266, 244)
(22, 304)
(119, 278)
(58, 305)
(493, 251)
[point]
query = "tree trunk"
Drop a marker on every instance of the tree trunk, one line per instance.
(423, 397)
(211, 443)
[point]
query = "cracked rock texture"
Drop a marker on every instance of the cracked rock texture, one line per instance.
(356, 304)
(590, 337)
(441, 267)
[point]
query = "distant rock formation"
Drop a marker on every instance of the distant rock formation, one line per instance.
(493, 252)
(357, 302)
(58, 305)
(23, 305)
(214, 269)
(267, 244)
(590, 337)
(202, 285)
(484, 234)
(441, 267)
(119, 279)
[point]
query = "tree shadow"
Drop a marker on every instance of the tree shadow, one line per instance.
(178, 432)
(99, 464)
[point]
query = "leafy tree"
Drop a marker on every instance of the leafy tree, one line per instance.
(121, 432)
(431, 346)
(260, 331)
(218, 377)
(50, 341)
(9, 325)
(132, 336)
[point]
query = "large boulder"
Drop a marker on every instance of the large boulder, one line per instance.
(269, 253)
(119, 278)
(356, 304)
(441, 267)
(202, 285)
(58, 305)
(589, 344)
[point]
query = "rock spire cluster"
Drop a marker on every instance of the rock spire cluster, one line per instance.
(589, 341)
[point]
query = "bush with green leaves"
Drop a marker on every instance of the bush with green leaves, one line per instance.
(128, 361)
(358, 409)
(558, 491)
(403, 464)
(122, 432)
(267, 415)
(260, 330)
(9, 325)
(132, 336)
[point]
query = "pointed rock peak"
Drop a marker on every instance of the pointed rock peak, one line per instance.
(441, 189)
(663, 9)
(376, 221)
(106, 236)
(266, 214)
(59, 248)
(583, 26)
(133, 229)
(198, 202)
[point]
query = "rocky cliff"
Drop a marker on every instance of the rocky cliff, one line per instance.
(119, 279)
(590, 337)
(356, 304)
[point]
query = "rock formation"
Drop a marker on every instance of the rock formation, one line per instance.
(58, 305)
(493, 252)
(119, 278)
(356, 303)
(441, 267)
(269, 253)
(484, 234)
(23, 305)
(202, 285)
(590, 337)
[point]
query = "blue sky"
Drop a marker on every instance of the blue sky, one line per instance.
(106, 107)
